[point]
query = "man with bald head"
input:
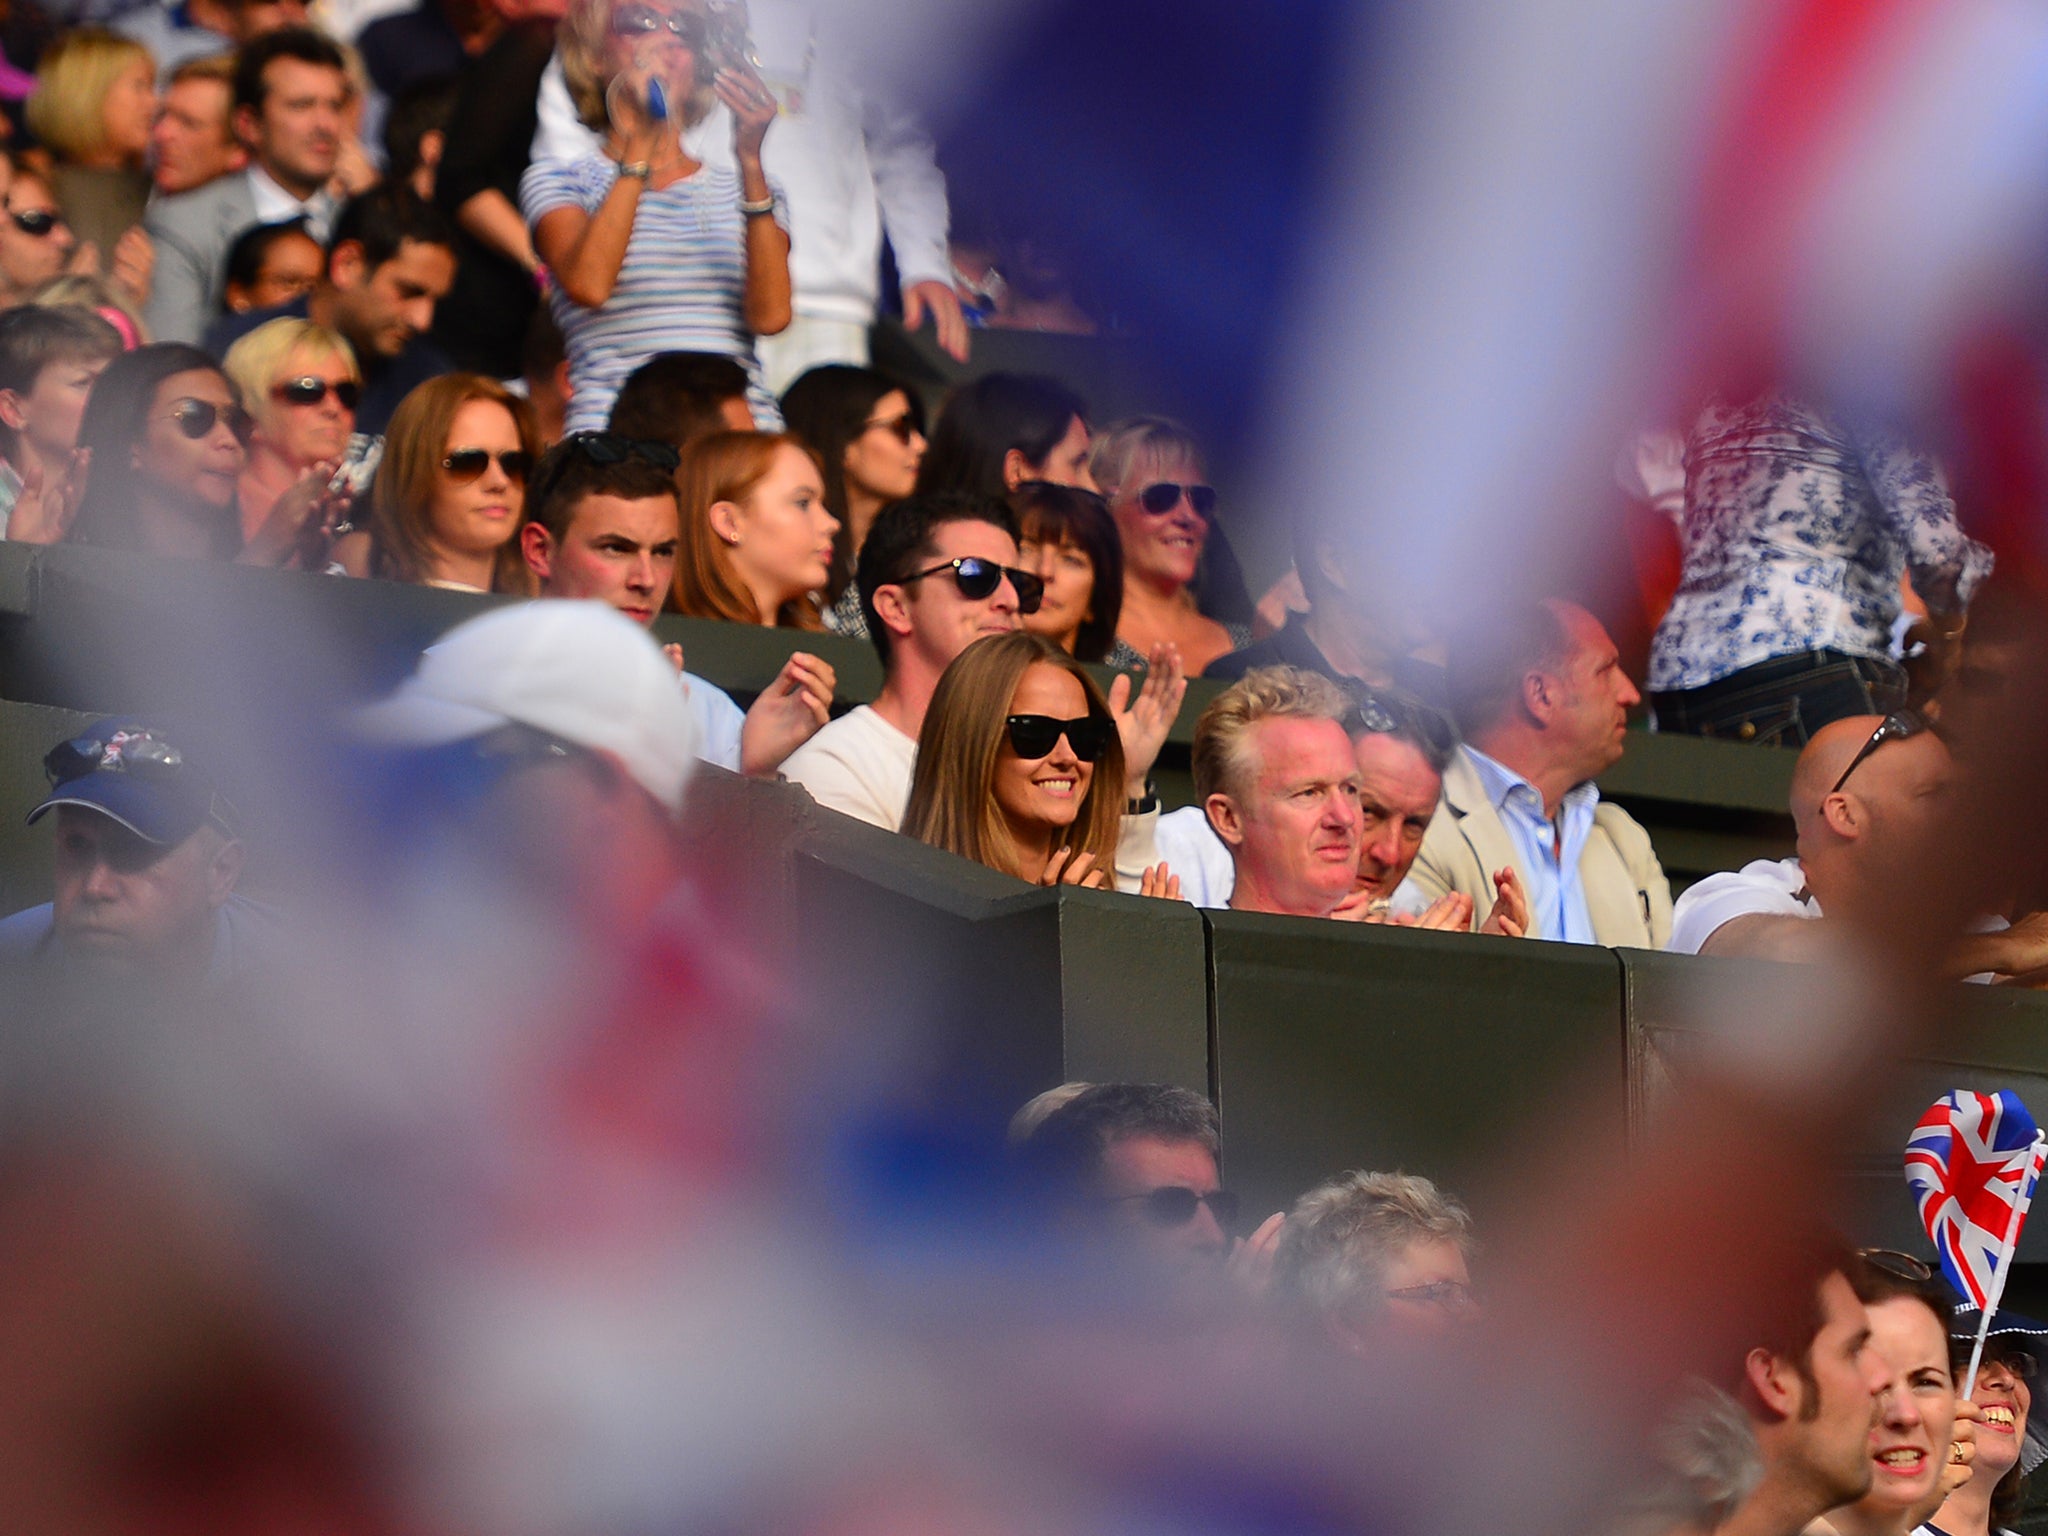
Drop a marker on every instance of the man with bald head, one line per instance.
(1869, 796)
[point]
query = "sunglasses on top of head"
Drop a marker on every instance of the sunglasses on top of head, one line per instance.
(1900, 726)
(1034, 736)
(1162, 497)
(467, 464)
(644, 20)
(196, 418)
(977, 578)
(311, 391)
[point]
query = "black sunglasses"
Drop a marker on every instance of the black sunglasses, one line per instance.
(640, 20)
(196, 418)
(1175, 1205)
(610, 448)
(903, 427)
(1163, 497)
(467, 464)
(311, 391)
(978, 578)
(1034, 736)
(35, 221)
(1894, 727)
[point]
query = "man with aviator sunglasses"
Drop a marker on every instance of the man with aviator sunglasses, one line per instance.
(1868, 798)
(935, 574)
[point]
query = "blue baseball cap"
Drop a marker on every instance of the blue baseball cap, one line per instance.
(2014, 1332)
(130, 770)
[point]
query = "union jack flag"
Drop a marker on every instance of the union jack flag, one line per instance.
(1969, 1159)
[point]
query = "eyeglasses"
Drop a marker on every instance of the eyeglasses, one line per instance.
(903, 428)
(978, 578)
(1175, 1205)
(1454, 1295)
(1900, 1266)
(1895, 727)
(1163, 497)
(467, 464)
(311, 391)
(610, 448)
(35, 221)
(196, 418)
(1034, 736)
(641, 20)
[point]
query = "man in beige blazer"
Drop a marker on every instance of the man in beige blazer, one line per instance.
(1543, 707)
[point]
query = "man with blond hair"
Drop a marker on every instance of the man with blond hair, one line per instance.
(1372, 1255)
(1276, 776)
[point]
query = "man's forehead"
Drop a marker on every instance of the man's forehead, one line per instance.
(642, 519)
(1143, 1158)
(973, 537)
(1299, 747)
(421, 262)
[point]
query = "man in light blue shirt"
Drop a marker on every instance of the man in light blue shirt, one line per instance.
(1543, 705)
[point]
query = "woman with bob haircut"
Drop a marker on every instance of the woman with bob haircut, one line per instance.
(93, 108)
(1067, 536)
(868, 431)
(756, 536)
(161, 448)
(1020, 767)
(450, 491)
(1182, 584)
(301, 384)
(650, 249)
(1004, 429)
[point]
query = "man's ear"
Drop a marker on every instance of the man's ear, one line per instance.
(1539, 695)
(11, 411)
(1774, 1381)
(1016, 469)
(346, 266)
(892, 607)
(1222, 813)
(538, 547)
(246, 127)
(1844, 815)
(224, 870)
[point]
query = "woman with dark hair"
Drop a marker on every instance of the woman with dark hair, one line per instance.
(1020, 767)
(1068, 537)
(450, 491)
(868, 431)
(161, 448)
(1991, 1500)
(1004, 429)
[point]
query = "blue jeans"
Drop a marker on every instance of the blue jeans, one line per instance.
(1783, 701)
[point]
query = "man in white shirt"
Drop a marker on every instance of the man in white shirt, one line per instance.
(936, 574)
(1868, 799)
(603, 522)
(290, 90)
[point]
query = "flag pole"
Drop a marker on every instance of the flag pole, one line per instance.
(2022, 1198)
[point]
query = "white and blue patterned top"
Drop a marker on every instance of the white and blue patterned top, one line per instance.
(1795, 534)
(1557, 894)
(681, 288)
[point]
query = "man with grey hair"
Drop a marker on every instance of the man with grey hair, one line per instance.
(1367, 1256)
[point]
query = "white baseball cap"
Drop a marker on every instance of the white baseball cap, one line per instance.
(578, 670)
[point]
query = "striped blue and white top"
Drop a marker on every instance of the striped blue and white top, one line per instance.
(681, 288)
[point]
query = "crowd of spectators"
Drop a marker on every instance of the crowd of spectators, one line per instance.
(574, 307)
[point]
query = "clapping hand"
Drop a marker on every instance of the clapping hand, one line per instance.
(302, 524)
(1144, 721)
(1066, 867)
(787, 714)
(1510, 915)
(48, 502)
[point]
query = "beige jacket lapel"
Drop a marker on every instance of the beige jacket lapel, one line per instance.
(1484, 833)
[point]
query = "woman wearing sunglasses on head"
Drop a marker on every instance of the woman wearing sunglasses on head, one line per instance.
(301, 384)
(756, 534)
(1020, 767)
(161, 449)
(1182, 585)
(450, 490)
(650, 249)
(869, 435)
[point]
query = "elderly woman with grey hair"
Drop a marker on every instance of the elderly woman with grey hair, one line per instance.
(1368, 1256)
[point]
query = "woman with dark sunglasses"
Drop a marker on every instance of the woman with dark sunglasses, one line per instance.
(301, 384)
(1020, 767)
(869, 435)
(1182, 585)
(652, 250)
(450, 491)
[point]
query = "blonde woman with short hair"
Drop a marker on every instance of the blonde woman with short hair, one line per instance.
(93, 108)
(300, 383)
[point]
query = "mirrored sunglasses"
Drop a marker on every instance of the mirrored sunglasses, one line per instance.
(977, 578)
(1034, 736)
(644, 20)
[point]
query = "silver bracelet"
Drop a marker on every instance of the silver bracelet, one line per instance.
(755, 210)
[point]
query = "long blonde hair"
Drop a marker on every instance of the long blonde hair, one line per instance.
(68, 108)
(952, 794)
(402, 497)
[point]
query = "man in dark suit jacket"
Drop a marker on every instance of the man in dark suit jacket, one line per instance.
(289, 91)
(391, 260)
